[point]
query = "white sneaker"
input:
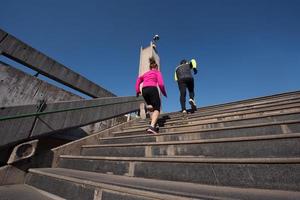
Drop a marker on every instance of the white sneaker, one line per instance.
(184, 112)
(193, 104)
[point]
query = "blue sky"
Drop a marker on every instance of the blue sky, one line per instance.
(244, 48)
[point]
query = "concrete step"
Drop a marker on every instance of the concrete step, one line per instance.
(214, 124)
(244, 118)
(264, 173)
(240, 114)
(245, 103)
(276, 105)
(87, 185)
(84, 185)
(204, 110)
(210, 133)
(283, 145)
(165, 120)
(25, 192)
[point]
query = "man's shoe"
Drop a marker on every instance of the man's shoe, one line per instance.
(193, 104)
(152, 130)
(184, 112)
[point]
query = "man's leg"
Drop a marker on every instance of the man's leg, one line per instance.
(190, 86)
(182, 90)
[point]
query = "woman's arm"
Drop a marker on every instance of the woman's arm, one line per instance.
(161, 84)
(137, 84)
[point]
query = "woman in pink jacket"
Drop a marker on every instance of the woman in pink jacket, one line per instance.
(151, 79)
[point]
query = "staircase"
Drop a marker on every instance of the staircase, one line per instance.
(248, 149)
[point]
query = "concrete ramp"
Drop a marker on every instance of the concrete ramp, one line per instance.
(21, 123)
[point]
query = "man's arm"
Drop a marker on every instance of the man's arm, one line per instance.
(175, 76)
(193, 65)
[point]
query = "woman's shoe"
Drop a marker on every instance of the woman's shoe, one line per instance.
(152, 130)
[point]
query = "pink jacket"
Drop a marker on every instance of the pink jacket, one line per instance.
(151, 78)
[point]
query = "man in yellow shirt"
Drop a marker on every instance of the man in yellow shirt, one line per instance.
(185, 80)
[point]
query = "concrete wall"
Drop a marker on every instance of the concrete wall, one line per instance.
(19, 88)
(15, 129)
(11, 175)
(21, 52)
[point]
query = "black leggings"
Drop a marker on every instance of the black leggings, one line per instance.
(183, 84)
(151, 97)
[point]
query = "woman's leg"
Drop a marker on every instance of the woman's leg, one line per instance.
(154, 118)
(152, 98)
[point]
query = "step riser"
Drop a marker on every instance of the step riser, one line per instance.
(75, 191)
(213, 134)
(268, 176)
(59, 187)
(241, 149)
(113, 196)
(222, 124)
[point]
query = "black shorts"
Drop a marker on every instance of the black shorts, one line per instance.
(151, 97)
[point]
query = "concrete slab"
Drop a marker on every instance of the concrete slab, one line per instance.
(93, 111)
(21, 52)
(17, 192)
(263, 173)
(245, 147)
(156, 189)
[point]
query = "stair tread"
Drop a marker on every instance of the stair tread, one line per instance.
(189, 159)
(218, 140)
(205, 122)
(190, 190)
(269, 175)
(201, 130)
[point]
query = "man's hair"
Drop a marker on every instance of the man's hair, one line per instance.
(183, 61)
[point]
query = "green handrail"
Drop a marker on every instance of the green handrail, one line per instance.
(55, 111)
